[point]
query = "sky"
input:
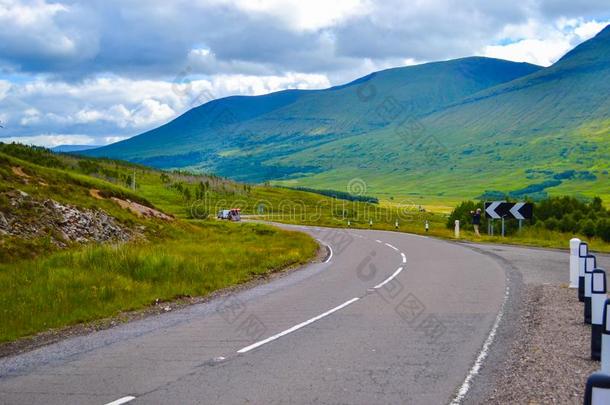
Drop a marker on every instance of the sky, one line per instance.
(97, 71)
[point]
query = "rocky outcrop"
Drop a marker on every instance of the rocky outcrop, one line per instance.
(28, 218)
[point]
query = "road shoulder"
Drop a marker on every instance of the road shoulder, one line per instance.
(542, 351)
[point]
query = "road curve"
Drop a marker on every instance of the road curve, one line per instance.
(389, 318)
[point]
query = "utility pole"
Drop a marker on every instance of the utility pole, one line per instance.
(133, 180)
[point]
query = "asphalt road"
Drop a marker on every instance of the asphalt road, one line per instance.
(389, 318)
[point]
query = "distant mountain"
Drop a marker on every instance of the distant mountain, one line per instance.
(453, 129)
(73, 148)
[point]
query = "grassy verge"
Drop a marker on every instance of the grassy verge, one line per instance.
(94, 282)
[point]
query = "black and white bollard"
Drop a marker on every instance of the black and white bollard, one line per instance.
(606, 338)
(574, 243)
(583, 251)
(597, 391)
(589, 267)
(598, 299)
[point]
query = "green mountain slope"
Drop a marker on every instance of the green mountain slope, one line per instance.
(545, 133)
(236, 135)
(450, 130)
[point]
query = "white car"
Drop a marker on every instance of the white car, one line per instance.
(231, 215)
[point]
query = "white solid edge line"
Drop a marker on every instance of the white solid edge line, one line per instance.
(474, 370)
(329, 248)
(120, 401)
(378, 241)
(404, 258)
(331, 254)
(392, 247)
(387, 280)
(296, 327)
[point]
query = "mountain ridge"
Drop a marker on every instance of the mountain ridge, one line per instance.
(514, 120)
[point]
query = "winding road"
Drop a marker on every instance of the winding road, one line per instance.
(386, 318)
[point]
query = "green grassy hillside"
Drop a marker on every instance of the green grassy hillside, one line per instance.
(55, 272)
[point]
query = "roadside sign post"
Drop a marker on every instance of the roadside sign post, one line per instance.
(502, 226)
(598, 299)
(503, 210)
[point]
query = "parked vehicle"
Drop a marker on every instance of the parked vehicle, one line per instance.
(231, 215)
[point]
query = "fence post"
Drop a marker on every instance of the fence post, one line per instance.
(598, 299)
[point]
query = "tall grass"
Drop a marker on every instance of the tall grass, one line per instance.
(100, 281)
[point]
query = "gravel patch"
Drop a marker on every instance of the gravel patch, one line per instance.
(549, 360)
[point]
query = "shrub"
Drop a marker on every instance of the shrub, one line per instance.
(603, 230)
(588, 228)
(552, 223)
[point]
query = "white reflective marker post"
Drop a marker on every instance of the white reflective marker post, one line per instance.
(589, 267)
(597, 391)
(598, 299)
(574, 243)
(457, 228)
(583, 251)
(586, 266)
(606, 339)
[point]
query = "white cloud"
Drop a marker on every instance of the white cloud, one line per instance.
(51, 140)
(541, 44)
(112, 139)
(37, 31)
(127, 107)
(305, 15)
(5, 86)
(536, 51)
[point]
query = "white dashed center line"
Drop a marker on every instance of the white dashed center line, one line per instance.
(392, 247)
(121, 401)
(387, 280)
(296, 327)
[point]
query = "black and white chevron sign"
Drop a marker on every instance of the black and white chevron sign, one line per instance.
(500, 209)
